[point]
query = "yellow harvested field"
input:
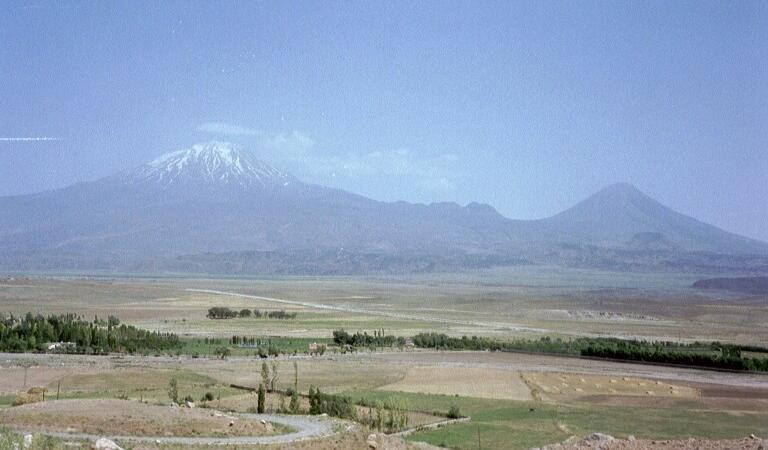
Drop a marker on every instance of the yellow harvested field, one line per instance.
(464, 381)
(555, 385)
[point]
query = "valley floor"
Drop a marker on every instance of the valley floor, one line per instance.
(515, 400)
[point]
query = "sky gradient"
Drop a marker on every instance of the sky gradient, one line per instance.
(529, 107)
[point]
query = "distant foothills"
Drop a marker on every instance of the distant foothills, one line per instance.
(214, 208)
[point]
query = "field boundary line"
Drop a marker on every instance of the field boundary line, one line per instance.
(432, 426)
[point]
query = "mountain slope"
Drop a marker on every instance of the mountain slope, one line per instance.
(622, 216)
(215, 198)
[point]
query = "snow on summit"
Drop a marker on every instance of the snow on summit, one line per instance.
(219, 163)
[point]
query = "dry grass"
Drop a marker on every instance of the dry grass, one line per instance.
(331, 375)
(246, 402)
(463, 381)
(563, 386)
(33, 395)
(121, 417)
(17, 379)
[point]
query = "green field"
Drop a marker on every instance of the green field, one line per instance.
(504, 424)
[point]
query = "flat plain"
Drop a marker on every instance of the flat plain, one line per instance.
(515, 400)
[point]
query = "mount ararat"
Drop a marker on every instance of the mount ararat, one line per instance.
(215, 208)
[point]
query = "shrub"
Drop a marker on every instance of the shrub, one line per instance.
(220, 312)
(333, 405)
(295, 406)
(173, 390)
(262, 397)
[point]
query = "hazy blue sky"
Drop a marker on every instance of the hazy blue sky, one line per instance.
(527, 106)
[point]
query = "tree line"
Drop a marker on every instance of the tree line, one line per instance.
(33, 332)
(710, 355)
(718, 356)
(221, 312)
(377, 339)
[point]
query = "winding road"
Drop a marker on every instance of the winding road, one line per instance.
(307, 427)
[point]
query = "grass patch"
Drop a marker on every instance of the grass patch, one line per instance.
(653, 423)
(150, 386)
(507, 424)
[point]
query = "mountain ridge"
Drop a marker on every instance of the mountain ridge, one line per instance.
(216, 198)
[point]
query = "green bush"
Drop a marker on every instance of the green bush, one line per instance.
(333, 405)
(454, 412)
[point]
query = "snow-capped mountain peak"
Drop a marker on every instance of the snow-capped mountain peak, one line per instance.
(218, 163)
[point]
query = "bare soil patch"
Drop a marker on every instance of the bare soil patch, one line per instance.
(735, 392)
(355, 439)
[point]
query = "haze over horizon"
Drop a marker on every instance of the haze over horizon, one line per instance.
(527, 107)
